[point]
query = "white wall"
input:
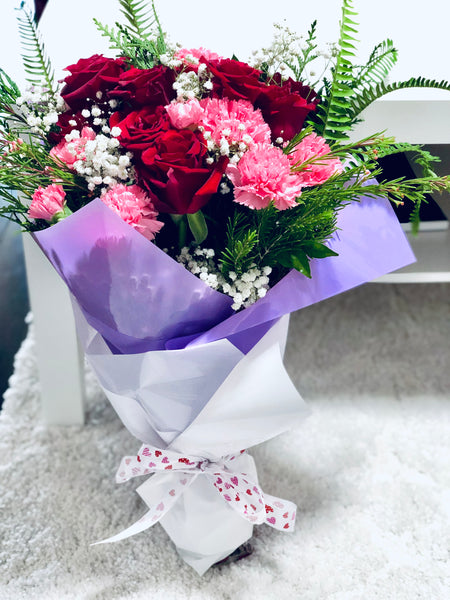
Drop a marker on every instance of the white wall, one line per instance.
(419, 29)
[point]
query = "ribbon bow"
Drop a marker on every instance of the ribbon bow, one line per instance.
(236, 488)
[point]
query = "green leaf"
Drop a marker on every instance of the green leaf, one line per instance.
(295, 259)
(317, 250)
(198, 226)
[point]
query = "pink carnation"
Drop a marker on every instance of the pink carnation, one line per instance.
(47, 202)
(192, 56)
(184, 114)
(263, 175)
(319, 171)
(133, 205)
(235, 120)
(69, 152)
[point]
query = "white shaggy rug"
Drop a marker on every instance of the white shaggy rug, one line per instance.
(369, 471)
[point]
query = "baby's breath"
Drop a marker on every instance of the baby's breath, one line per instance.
(245, 289)
(40, 108)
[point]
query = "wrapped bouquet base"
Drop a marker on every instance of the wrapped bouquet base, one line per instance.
(204, 490)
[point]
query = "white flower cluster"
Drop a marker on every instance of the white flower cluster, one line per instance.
(286, 47)
(244, 290)
(103, 162)
(40, 108)
(168, 58)
(98, 114)
(189, 84)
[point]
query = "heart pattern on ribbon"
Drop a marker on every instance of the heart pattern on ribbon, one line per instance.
(242, 494)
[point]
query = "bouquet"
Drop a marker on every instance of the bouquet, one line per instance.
(191, 202)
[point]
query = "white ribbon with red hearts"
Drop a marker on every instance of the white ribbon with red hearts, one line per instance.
(243, 495)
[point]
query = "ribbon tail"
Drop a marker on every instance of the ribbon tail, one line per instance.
(280, 514)
(144, 523)
(242, 495)
(160, 492)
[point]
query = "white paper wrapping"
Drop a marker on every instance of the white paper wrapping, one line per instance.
(208, 401)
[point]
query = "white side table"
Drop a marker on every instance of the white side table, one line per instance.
(59, 357)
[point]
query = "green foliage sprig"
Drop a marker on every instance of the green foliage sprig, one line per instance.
(35, 60)
(293, 237)
(143, 41)
(331, 116)
(308, 53)
(381, 60)
(239, 253)
(352, 88)
(9, 92)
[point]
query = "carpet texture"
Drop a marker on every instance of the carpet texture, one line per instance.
(369, 471)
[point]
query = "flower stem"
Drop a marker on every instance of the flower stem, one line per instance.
(180, 222)
(198, 227)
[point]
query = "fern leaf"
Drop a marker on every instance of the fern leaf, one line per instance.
(365, 97)
(35, 60)
(331, 114)
(380, 63)
(140, 20)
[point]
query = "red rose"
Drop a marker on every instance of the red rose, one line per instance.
(170, 163)
(175, 172)
(89, 76)
(140, 128)
(145, 87)
(285, 106)
(233, 79)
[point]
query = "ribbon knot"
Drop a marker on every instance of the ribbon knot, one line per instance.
(236, 488)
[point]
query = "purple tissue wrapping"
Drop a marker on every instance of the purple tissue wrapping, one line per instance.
(140, 299)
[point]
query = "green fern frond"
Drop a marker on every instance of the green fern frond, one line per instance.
(380, 63)
(141, 21)
(35, 60)
(365, 97)
(331, 114)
